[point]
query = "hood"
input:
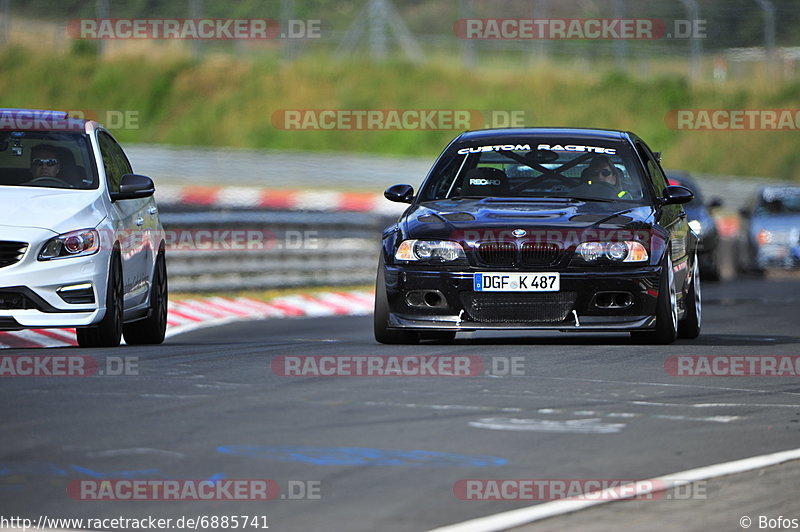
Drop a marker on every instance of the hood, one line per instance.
(437, 218)
(52, 209)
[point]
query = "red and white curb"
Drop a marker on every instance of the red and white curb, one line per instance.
(278, 199)
(191, 314)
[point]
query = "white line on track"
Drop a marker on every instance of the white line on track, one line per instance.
(530, 514)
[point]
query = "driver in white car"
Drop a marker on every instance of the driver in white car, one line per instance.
(44, 161)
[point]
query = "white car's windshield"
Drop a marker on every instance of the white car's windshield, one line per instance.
(46, 159)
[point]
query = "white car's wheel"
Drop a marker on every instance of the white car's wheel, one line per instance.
(108, 332)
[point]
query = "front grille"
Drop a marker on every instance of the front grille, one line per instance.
(539, 253)
(551, 307)
(497, 253)
(11, 252)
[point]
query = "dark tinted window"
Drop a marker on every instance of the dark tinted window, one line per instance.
(657, 177)
(114, 161)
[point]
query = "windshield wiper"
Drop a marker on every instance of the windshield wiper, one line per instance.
(467, 197)
(576, 198)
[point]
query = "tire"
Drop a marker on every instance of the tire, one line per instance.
(108, 332)
(438, 336)
(689, 326)
(666, 330)
(151, 330)
(383, 334)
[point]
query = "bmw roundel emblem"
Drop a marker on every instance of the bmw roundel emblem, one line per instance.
(519, 233)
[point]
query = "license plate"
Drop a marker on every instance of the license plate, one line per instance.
(517, 282)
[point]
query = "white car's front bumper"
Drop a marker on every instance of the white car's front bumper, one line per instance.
(35, 293)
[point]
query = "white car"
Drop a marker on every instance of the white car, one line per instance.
(81, 243)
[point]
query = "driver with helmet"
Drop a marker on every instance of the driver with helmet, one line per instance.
(601, 176)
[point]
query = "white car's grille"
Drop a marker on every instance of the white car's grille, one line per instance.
(11, 252)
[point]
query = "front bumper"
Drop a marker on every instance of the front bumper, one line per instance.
(35, 293)
(573, 308)
(778, 256)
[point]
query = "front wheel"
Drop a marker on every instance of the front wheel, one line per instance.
(108, 331)
(689, 326)
(383, 334)
(666, 330)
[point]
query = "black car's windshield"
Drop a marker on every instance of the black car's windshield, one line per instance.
(46, 159)
(541, 168)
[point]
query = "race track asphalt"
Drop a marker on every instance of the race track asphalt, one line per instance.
(384, 453)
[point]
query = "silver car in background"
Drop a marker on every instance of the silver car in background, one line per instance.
(770, 237)
(81, 243)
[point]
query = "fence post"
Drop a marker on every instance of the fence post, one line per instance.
(541, 47)
(466, 11)
(620, 45)
(288, 46)
(695, 46)
(196, 9)
(102, 12)
(769, 33)
(5, 21)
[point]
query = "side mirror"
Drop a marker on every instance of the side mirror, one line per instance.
(674, 195)
(400, 193)
(715, 203)
(133, 186)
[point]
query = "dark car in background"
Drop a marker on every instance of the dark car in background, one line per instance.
(702, 223)
(770, 234)
(525, 229)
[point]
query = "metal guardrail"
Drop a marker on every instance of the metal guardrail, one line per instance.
(239, 250)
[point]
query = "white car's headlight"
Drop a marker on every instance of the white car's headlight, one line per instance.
(441, 250)
(614, 251)
(72, 244)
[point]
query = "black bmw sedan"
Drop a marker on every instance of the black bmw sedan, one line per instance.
(529, 229)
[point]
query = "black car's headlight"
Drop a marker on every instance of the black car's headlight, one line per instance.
(627, 251)
(72, 244)
(430, 250)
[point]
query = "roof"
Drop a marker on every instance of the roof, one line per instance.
(576, 133)
(40, 120)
